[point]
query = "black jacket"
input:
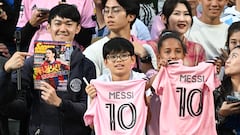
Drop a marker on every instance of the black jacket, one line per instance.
(8, 27)
(68, 118)
(220, 95)
(9, 104)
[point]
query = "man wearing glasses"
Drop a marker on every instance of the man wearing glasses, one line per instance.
(119, 17)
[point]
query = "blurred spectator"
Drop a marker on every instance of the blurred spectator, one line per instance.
(208, 30)
(9, 12)
(231, 14)
(146, 12)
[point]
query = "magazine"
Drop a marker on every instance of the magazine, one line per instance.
(52, 63)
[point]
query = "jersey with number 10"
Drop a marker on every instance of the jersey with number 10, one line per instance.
(187, 104)
(119, 108)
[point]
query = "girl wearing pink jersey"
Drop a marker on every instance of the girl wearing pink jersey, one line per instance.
(170, 47)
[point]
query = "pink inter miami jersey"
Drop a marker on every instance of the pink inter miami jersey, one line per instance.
(187, 104)
(85, 7)
(119, 108)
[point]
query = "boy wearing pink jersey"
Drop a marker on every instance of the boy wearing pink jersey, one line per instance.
(34, 14)
(122, 89)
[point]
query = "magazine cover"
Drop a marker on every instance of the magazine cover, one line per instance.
(52, 63)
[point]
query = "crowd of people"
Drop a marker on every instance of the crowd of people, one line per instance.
(137, 67)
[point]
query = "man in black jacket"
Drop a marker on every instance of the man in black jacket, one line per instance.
(54, 112)
(9, 12)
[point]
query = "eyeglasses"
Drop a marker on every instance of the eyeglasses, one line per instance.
(123, 57)
(114, 11)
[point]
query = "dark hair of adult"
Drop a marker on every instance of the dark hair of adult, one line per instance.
(117, 45)
(170, 5)
(65, 11)
(234, 27)
(131, 7)
(166, 34)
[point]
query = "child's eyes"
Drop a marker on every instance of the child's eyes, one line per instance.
(179, 51)
(167, 52)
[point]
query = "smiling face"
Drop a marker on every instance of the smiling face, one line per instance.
(180, 19)
(63, 29)
(233, 62)
(50, 56)
(212, 10)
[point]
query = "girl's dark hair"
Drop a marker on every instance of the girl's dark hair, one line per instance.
(233, 28)
(131, 7)
(170, 5)
(171, 34)
(65, 11)
(117, 45)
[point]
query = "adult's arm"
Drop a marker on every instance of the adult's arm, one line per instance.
(7, 92)
(8, 89)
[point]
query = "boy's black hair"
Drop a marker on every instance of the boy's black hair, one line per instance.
(170, 34)
(65, 11)
(131, 7)
(117, 45)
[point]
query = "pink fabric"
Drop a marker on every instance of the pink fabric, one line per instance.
(195, 53)
(85, 7)
(129, 111)
(157, 27)
(187, 106)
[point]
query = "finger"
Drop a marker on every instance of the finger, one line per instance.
(44, 95)
(224, 52)
(93, 94)
(24, 54)
(44, 86)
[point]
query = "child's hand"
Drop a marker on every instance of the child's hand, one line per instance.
(91, 91)
(162, 62)
(218, 62)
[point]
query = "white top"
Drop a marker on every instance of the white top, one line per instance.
(211, 37)
(95, 50)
